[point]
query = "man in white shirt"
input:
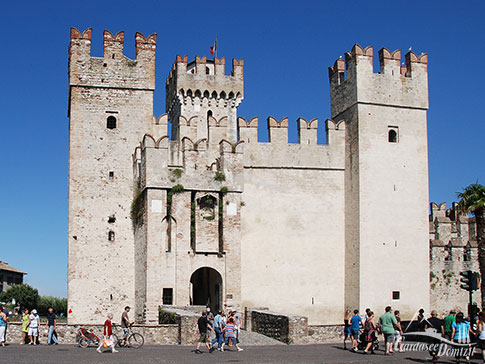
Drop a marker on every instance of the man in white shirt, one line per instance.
(34, 323)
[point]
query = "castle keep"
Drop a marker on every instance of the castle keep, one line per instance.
(210, 215)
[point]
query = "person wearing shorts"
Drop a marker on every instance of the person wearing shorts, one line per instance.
(203, 326)
(356, 324)
(387, 322)
(230, 334)
(34, 323)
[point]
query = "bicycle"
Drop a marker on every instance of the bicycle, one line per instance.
(129, 338)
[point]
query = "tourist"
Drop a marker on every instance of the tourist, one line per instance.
(218, 326)
(370, 328)
(421, 319)
(447, 325)
(398, 332)
(461, 332)
(125, 324)
(237, 320)
(387, 322)
(481, 333)
(34, 323)
(347, 327)
(356, 323)
(436, 325)
(5, 311)
(366, 315)
(25, 326)
(3, 327)
(108, 336)
(51, 327)
(229, 333)
(203, 325)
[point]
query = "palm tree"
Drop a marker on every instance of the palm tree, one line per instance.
(472, 200)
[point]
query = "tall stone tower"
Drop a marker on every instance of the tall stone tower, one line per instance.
(110, 109)
(202, 100)
(386, 177)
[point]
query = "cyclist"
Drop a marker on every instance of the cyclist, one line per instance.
(125, 324)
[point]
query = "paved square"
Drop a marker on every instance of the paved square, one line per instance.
(328, 353)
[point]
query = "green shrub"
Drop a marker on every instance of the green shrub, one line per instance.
(220, 176)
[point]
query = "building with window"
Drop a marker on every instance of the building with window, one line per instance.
(453, 247)
(9, 276)
(194, 208)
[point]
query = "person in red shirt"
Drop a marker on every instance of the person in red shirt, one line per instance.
(108, 335)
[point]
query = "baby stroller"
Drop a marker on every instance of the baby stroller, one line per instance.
(85, 338)
(363, 341)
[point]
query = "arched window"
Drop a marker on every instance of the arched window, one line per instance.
(209, 113)
(111, 235)
(392, 136)
(111, 122)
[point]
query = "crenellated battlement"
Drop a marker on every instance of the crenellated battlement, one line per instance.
(114, 69)
(204, 81)
(353, 80)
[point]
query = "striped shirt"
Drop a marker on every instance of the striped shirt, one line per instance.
(461, 331)
(229, 330)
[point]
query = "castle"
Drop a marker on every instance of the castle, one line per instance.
(210, 215)
(453, 249)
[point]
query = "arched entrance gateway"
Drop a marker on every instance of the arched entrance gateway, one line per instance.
(207, 288)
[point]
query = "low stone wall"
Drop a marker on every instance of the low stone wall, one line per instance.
(186, 324)
(154, 334)
(291, 329)
(319, 334)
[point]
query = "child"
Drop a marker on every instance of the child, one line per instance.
(229, 331)
(108, 335)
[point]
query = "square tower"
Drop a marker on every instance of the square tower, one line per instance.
(202, 100)
(386, 182)
(110, 109)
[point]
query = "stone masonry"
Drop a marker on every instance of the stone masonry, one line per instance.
(453, 249)
(208, 215)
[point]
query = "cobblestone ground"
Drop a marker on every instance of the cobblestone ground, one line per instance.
(331, 354)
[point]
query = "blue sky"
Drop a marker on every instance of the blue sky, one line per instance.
(287, 47)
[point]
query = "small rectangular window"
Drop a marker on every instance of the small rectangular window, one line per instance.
(111, 175)
(167, 296)
(396, 295)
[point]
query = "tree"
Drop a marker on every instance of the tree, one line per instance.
(25, 296)
(59, 305)
(472, 200)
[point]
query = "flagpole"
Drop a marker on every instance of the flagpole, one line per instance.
(216, 47)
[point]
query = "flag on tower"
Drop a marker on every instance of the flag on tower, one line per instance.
(214, 48)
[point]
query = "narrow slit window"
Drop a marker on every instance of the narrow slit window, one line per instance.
(111, 175)
(111, 122)
(207, 71)
(111, 235)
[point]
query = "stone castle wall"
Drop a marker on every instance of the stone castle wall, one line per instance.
(293, 227)
(453, 249)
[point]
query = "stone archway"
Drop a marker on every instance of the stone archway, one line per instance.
(207, 288)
